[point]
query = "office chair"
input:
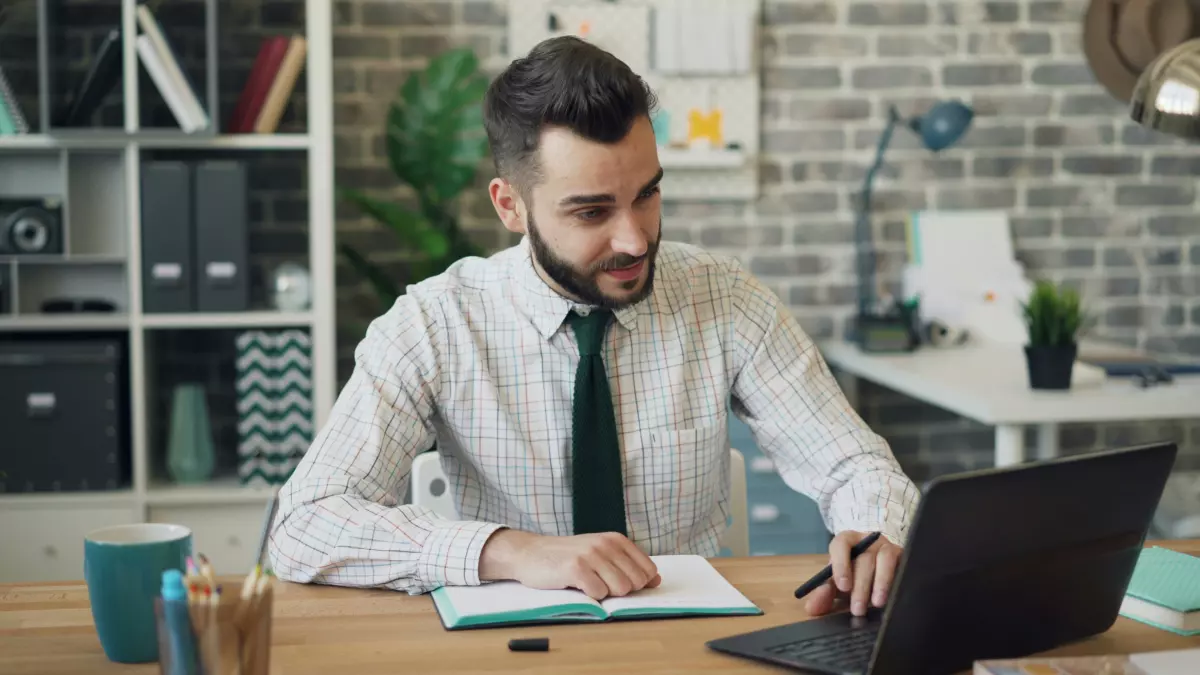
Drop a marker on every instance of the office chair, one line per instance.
(431, 490)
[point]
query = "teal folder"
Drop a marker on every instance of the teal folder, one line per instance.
(1165, 591)
(690, 587)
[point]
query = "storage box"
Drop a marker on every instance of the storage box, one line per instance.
(62, 416)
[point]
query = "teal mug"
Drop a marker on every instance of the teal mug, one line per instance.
(123, 568)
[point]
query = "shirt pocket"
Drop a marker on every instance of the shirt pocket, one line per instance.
(679, 477)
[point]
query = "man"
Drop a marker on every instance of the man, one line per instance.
(577, 386)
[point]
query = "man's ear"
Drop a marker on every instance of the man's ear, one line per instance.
(508, 204)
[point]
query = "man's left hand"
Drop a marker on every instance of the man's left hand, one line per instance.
(866, 579)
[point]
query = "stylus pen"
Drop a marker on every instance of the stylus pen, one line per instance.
(825, 574)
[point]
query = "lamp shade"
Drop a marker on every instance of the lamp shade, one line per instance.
(943, 125)
(1166, 97)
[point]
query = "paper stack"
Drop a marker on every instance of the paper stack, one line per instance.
(963, 269)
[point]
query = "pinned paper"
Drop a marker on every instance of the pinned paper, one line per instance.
(662, 127)
(703, 126)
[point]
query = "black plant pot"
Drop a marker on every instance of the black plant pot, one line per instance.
(1050, 366)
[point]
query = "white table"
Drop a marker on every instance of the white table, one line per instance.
(989, 383)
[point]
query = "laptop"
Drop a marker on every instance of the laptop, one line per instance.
(1000, 563)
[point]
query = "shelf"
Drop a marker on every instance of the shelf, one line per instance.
(67, 499)
(52, 322)
(201, 320)
(103, 140)
(218, 491)
(228, 141)
(71, 259)
(675, 158)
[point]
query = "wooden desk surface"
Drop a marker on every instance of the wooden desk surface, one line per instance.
(47, 629)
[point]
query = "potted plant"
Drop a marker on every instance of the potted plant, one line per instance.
(1055, 319)
(435, 142)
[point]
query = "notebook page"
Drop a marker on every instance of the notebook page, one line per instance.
(508, 596)
(688, 582)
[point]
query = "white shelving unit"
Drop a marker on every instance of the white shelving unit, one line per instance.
(44, 532)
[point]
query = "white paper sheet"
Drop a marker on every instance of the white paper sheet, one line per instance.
(688, 581)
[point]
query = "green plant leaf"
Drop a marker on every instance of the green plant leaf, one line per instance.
(451, 67)
(385, 288)
(410, 227)
(1053, 316)
(435, 143)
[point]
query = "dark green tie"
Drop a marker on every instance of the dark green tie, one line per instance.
(597, 488)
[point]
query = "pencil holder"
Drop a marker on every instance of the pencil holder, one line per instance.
(232, 637)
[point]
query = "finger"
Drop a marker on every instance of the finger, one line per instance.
(820, 600)
(614, 578)
(654, 583)
(864, 578)
(885, 571)
(635, 573)
(586, 580)
(636, 556)
(839, 557)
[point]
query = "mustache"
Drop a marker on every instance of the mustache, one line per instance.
(619, 261)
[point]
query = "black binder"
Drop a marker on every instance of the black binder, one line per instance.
(168, 278)
(6, 289)
(222, 269)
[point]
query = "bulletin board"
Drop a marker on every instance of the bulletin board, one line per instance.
(701, 57)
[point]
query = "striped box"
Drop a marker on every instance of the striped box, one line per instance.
(275, 409)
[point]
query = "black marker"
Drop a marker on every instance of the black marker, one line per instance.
(825, 574)
(529, 645)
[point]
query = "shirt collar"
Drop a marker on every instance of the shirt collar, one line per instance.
(545, 306)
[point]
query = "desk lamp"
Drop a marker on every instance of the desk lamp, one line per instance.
(881, 329)
(1166, 97)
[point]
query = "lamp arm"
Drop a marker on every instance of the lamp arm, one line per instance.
(863, 238)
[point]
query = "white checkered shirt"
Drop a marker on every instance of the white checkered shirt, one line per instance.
(479, 361)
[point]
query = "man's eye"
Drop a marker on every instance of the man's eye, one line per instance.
(590, 214)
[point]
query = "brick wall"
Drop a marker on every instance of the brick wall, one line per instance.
(1095, 201)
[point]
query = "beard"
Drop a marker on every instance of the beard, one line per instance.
(583, 284)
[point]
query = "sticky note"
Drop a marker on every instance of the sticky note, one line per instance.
(703, 126)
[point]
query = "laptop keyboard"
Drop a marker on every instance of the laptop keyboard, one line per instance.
(850, 650)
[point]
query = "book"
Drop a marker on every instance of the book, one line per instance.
(1171, 662)
(7, 126)
(281, 88)
(254, 93)
(8, 99)
(152, 62)
(1164, 591)
(690, 586)
(96, 84)
(182, 87)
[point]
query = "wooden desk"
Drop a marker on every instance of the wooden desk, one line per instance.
(47, 629)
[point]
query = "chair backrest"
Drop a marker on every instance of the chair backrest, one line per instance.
(431, 490)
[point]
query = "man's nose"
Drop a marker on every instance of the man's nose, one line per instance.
(629, 237)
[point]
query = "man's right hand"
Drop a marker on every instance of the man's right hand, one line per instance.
(600, 565)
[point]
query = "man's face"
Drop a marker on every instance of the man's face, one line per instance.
(594, 221)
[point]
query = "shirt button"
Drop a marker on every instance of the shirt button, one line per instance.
(583, 311)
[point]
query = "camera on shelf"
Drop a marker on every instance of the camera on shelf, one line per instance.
(31, 226)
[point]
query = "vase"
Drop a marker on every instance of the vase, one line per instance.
(190, 444)
(1050, 366)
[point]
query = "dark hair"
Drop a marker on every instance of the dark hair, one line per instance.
(563, 81)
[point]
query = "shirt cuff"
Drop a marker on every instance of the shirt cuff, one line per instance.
(450, 556)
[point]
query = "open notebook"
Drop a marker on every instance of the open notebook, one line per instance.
(690, 587)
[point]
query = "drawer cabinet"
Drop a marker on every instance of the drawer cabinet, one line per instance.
(227, 534)
(45, 543)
